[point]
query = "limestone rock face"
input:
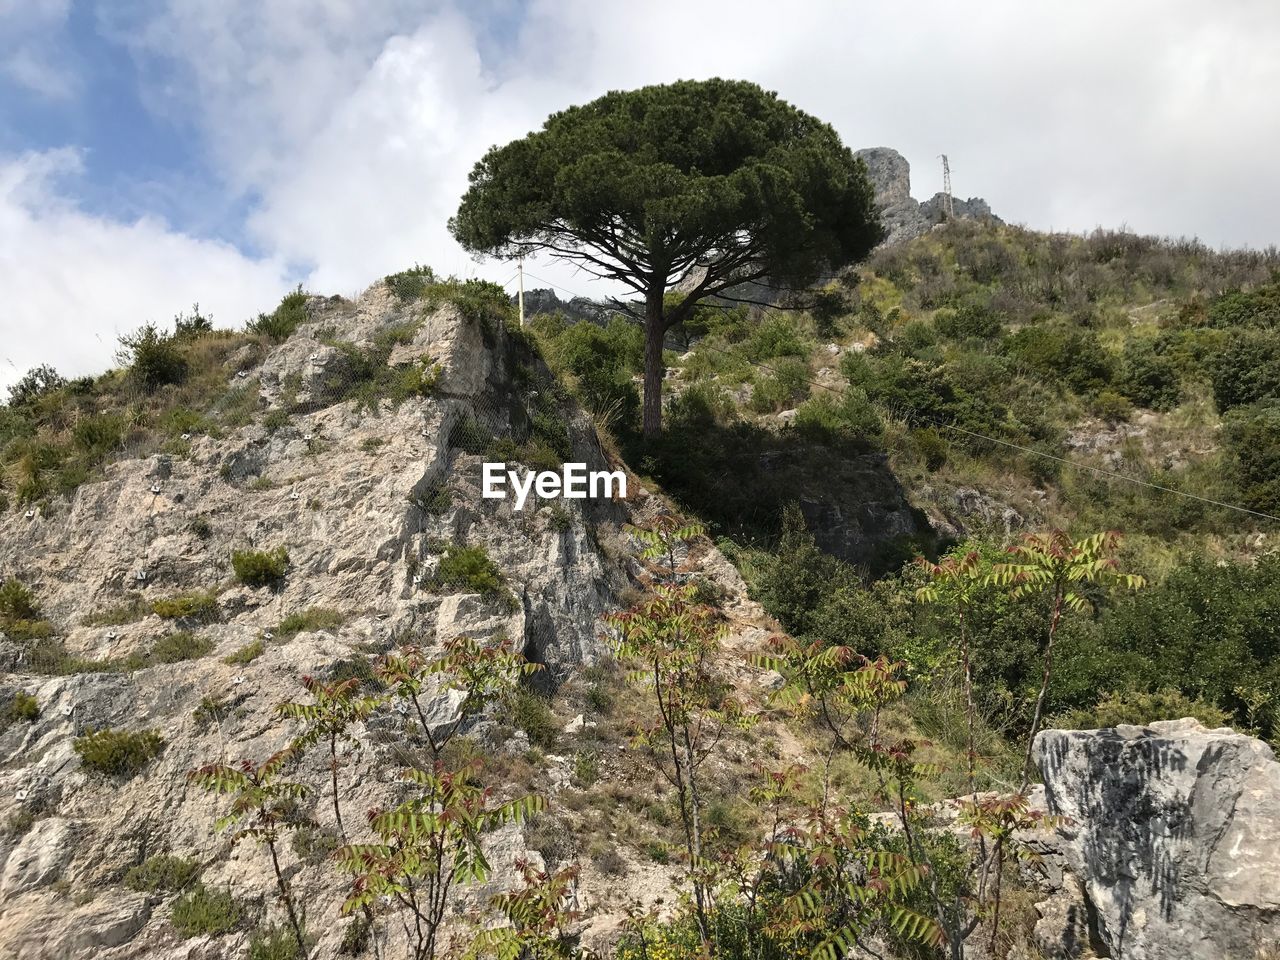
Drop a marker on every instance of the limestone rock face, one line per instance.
(1174, 834)
(366, 497)
(904, 217)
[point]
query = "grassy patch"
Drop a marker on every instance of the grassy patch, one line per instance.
(205, 912)
(245, 655)
(201, 606)
(120, 753)
(177, 647)
(260, 568)
(162, 872)
(313, 618)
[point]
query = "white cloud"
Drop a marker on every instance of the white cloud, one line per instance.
(353, 125)
(74, 282)
(30, 55)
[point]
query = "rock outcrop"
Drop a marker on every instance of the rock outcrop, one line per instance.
(365, 496)
(902, 216)
(1171, 843)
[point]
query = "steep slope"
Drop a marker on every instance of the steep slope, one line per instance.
(367, 497)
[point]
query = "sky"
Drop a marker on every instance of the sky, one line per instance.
(159, 153)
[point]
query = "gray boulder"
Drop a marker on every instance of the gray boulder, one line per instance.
(1174, 834)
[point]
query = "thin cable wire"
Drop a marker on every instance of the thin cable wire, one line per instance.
(916, 414)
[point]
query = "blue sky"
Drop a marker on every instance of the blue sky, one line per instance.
(158, 152)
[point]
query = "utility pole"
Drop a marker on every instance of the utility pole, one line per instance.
(947, 204)
(520, 273)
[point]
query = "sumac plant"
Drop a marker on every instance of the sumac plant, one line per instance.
(262, 804)
(427, 846)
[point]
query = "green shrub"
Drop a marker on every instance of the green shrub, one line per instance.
(1149, 378)
(783, 387)
(281, 322)
(1062, 354)
(408, 285)
(23, 708)
(1252, 435)
(131, 611)
(276, 943)
(313, 618)
(472, 568)
(1247, 369)
(260, 568)
(1258, 308)
(118, 752)
(1139, 708)
(201, 606)
(153, 359)
(162, 872)
(776, 336)
(36, 383)
(970, 321)
(17, 602)
(246, 654)
(849, 421)
(528, 711)
(99, 434)
(209, 711)
(355, 938)
(205, 912)
(180, 646)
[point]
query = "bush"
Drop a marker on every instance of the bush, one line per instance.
(313, 618)
(1057, 353)
(188, 606)
(850, 421)
(205, 912)
(153, 359)
(472, 568)
(783, 387)
(409, 285)
(177, 647)
(1148, 378)
(1247, 369)
(260, 568)
(275, 943)
(1252, 434)
(970, 321)
(23, 708)
(1140, 708)
(17, 602)
(246, 654)
(35, 383)
(531, 712)
(118, 752)
(776, 336)
(162, 872)
(281, 322)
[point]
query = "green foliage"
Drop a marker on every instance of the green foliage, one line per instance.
(245, 655)
(1258, 308)
(712, 201)
(199, 606)
(1148, 377)
(1252, 434)
(1140, 707)
(205, 911)
(260, 568)
(162, 872)
(1061, 354)
(17, 602)
(23, 708)
(784, 386)
(284, 320)
(529, 711)
(847, 422)
(36, 383)
(409, 285)
(153, 358)
(1247, 369)
(180, 646)
(275, 942)
(312, 618)
(470, 568)
(970, 321)
(121, 753)
(598, 362)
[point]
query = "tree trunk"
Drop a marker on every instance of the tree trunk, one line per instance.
(653, 367)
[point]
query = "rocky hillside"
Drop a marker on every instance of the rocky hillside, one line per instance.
(145, 617)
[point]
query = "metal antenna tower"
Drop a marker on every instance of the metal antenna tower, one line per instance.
(948, 205)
